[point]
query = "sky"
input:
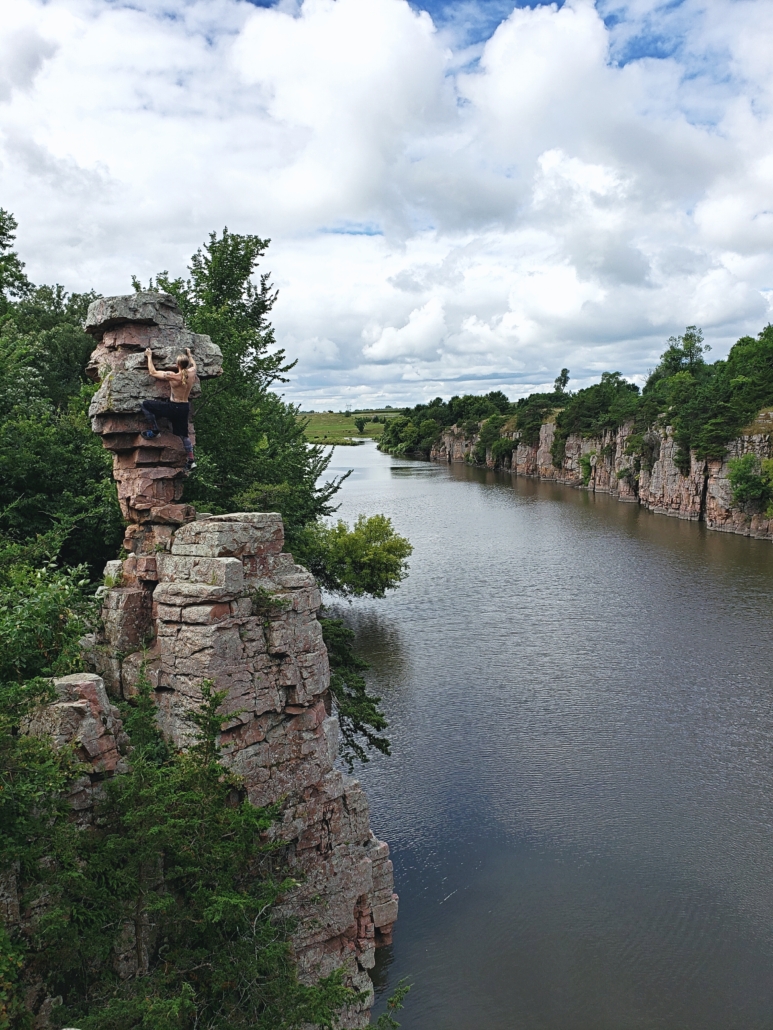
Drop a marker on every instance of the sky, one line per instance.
(460, 197)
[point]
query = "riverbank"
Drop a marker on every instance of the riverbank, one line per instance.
(604, 464)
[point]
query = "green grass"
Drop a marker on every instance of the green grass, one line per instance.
(334, 427)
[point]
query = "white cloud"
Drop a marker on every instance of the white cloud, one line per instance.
(420, 337)
(444, 217)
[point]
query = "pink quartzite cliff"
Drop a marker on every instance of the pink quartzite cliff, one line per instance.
(699, 491)
(216, 598)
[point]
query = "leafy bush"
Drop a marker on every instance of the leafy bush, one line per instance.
(43, 614)
(370, 558)
(501, 449)
(751, 481)
(488, 436)
(586, 466)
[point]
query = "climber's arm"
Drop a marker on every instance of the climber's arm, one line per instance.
(152, 370)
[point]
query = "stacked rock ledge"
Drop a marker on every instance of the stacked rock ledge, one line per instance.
(150, 473)
(225, 604)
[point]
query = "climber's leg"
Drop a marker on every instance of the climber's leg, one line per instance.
(150, 409)
(179, 414)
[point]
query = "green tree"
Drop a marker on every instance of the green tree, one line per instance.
(561, 381)
(56, 490)
(751, 481)
(55, 478)
(52, 320)
(370, 558)
(251, 443)
(13, 280)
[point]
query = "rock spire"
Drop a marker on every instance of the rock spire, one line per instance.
(202, 597)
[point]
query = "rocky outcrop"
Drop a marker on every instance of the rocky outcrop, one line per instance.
(222, 602)
(651, 477)
(215, 598)
(149, 473)
(83, 716)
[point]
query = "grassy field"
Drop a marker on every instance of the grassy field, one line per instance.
(334, 427)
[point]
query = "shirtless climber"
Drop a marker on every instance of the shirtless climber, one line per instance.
(177, 408)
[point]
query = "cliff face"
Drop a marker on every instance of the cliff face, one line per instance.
(216, 598)
(601, 464)
(224, 603)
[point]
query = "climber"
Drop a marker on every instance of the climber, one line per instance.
(177, 408)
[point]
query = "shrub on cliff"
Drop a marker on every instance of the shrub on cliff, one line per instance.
(370, 558)
(488, 437)
(175, 873)
(752, 482)
(43, 614)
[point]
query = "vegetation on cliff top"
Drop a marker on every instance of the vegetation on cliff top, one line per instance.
(705, 404)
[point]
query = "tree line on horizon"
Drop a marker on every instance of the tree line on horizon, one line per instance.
(706, 404)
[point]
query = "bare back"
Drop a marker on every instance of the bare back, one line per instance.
(180, 385)
(181, 381)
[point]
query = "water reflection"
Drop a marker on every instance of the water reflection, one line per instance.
(580, 795)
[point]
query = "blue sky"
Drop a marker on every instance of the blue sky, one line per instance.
(459, 196)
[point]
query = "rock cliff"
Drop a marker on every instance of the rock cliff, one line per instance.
(602, 464)
(216, 598)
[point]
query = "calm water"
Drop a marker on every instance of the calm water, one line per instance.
(580, 798)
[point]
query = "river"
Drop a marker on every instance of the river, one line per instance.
(579, 801)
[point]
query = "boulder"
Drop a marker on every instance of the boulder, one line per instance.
(245, 533)
(145, 307)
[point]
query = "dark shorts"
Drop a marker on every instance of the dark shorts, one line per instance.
(176, 412)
